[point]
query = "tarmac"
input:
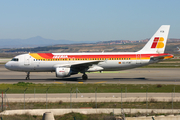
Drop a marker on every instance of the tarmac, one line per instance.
(132, 76)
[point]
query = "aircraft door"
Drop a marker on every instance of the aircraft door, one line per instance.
(138, 58)
(27, 60)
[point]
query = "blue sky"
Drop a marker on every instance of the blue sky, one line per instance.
(83, 20)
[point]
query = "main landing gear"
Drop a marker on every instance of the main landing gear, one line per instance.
(84, 76)
(27, 77)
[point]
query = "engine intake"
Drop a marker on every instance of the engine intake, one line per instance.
(63, 72)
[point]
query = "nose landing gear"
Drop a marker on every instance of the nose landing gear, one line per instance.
(28, 76)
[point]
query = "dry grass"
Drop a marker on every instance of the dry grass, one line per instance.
(152, 104)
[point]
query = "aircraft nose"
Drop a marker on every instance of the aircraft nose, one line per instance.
(7, 65)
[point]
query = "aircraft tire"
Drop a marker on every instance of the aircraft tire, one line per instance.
(84, 77)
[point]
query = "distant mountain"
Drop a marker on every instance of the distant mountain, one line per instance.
(34, 42)
(120, 42)
(112, 42)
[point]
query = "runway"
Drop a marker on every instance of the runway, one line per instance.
(132, 76)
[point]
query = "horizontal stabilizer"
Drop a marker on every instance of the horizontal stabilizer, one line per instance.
(162, 57)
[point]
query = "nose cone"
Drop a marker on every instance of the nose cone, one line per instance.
(7, 65)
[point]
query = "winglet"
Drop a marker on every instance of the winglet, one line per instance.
(158, 41)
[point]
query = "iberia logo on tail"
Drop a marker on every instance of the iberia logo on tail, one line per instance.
(158, 42)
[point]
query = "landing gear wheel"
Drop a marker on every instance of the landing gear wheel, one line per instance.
(84, 77)
(27, 77)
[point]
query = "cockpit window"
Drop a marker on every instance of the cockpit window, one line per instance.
(15, 59)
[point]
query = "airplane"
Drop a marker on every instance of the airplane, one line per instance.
(178, 49)
(67, 64)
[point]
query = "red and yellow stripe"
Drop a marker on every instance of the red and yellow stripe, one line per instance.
(100, 56)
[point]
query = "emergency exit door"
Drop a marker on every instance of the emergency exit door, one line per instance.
(138, 58)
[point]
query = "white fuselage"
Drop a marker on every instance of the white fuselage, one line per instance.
(29, 64)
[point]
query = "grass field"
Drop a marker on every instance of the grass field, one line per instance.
(152, 104)
(87, 88)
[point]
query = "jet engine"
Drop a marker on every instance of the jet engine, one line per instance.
(63, 72)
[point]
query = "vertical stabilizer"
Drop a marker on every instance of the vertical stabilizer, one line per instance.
(158, 41)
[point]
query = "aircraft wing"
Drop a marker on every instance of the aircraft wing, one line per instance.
(87, 63)
(79, 66)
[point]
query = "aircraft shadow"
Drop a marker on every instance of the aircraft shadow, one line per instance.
(143, 78)
(73, 79)
(66, 79)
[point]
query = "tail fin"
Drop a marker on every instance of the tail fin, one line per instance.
(158, 41)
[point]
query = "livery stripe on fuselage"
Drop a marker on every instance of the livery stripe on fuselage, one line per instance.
(36, 56)
(93, 56)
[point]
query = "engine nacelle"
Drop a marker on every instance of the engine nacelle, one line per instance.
(63, 72)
